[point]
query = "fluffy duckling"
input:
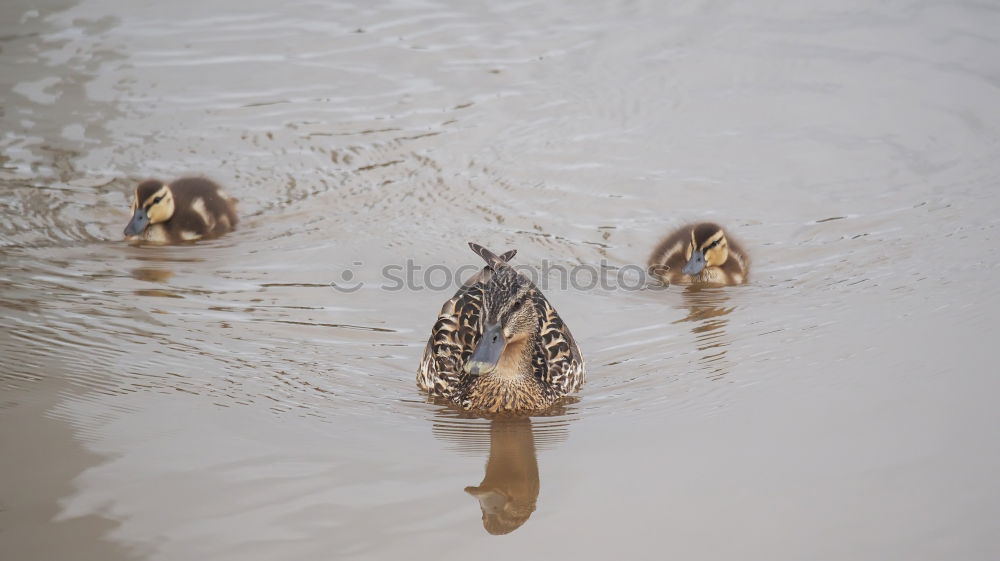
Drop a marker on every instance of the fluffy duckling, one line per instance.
(187, 209)
(498, 345)
(700, 253)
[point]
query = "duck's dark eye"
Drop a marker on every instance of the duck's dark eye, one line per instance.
(157, 199)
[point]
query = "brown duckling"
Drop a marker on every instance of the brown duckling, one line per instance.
(187, 209)
(498, 345)
(700, 253)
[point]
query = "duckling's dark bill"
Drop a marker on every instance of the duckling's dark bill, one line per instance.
(487, 353)
(695, 264)
(138, 223)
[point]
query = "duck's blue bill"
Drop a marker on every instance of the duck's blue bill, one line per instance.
(485, 357)
(138, 223)
(695, 264)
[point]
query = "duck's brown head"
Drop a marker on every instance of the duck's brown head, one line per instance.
(152, 203)
(708, 248)
(509, 315)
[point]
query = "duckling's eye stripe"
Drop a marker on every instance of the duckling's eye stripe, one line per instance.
(153, 202)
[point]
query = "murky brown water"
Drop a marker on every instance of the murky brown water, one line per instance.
(222, 401)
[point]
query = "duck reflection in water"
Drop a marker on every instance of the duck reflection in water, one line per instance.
(152, 274)
(509, 490)
(707, 312)
(508, 493)
(158, 268)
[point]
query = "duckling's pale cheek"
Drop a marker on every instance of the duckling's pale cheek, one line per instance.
(713, 274)
(155, 234)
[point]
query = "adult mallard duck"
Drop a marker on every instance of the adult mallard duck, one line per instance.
(700, 253)
(187, 209)
(498, 345)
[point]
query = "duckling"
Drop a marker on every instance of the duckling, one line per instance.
(498, 345)
(187, 209)
(700, 253)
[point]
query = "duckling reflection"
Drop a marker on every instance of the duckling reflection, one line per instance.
(158, 269)
(152, 274)
(707, 311)
(509, 490)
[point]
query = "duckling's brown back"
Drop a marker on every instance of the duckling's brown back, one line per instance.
(207, 209)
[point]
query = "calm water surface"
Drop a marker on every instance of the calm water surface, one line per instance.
(222, 401)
